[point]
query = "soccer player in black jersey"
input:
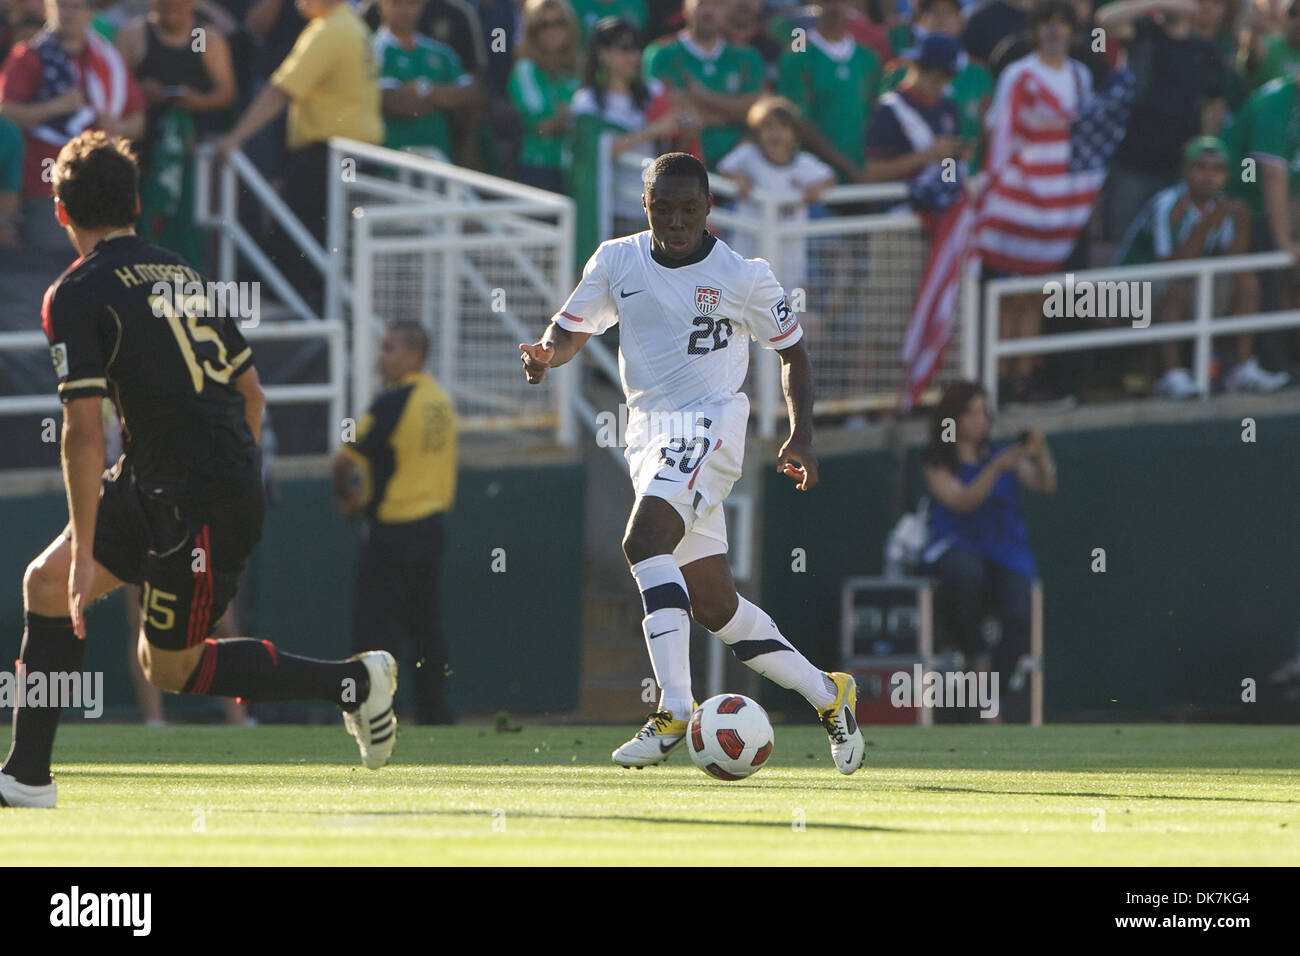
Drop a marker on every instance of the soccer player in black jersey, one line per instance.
(181, 511)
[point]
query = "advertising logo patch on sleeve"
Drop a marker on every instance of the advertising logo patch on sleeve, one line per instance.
(59, 355)
(784, 317)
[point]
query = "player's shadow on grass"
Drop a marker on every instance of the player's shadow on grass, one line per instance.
(595, 818)
(1083, 793)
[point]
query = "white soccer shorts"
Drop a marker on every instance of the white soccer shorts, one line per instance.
(690, 459)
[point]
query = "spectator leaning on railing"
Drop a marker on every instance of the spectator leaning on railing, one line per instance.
(1191, 219)
(330, 86)
(978, 545)
(60, 83)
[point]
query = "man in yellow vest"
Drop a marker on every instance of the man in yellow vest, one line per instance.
(405, 452)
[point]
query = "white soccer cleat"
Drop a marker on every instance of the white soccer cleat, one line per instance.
(1249, 377)
(842, 726)
(15, 794)
(1177, 383)
(374, 724)
(652, 744)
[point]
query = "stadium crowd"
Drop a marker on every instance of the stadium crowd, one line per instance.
(772, 94)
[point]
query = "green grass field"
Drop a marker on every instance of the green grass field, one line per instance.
(1197, 794)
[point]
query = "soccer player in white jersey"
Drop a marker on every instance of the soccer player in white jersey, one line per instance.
(688, 305)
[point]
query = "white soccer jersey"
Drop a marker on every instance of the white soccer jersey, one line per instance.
(683, 342)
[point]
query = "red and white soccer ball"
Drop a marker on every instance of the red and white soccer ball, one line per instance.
(730, 737)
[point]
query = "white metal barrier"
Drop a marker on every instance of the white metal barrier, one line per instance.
(238, 171)
(332, 391)
(222, 187)
(1201, 329)
(480, 262)
(851, 276)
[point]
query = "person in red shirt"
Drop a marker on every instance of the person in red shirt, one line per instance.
(55, 86)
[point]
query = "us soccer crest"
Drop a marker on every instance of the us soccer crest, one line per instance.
(706, 299)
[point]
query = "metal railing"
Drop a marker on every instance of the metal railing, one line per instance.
(332, 391)
(1202, 328)
(239, 171)
(216, 207)
(480, 262)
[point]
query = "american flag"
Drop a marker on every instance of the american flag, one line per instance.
(1043, 171)
(105, 83)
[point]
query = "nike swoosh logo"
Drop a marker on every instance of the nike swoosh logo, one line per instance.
(624, 295)
(662, 633)
(849, 759)
(662, 478)
(665, 747)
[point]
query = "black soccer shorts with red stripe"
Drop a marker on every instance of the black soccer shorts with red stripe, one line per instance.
(187, 554)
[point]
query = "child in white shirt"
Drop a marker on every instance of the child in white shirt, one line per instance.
(770, 162)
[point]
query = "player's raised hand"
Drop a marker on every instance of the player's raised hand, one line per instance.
(81, 576)
(537, 359)
(796, 459)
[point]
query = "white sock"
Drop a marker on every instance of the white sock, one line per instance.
(757, 642)
(667, 629)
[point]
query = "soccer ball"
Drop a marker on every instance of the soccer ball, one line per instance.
(729, 737)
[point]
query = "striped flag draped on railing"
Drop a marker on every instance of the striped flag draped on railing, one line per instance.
(1042, 176)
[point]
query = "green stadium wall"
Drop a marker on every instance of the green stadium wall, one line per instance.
(514, 636)
(1202, 546)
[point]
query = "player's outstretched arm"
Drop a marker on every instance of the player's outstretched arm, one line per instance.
(83, 463)
(796, 457)
(556, 347)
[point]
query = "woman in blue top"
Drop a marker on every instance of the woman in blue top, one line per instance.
(978, 545)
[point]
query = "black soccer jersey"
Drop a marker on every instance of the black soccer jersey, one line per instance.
(117, 327)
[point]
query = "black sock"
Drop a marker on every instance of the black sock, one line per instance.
(50, 647)
(257, 670)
